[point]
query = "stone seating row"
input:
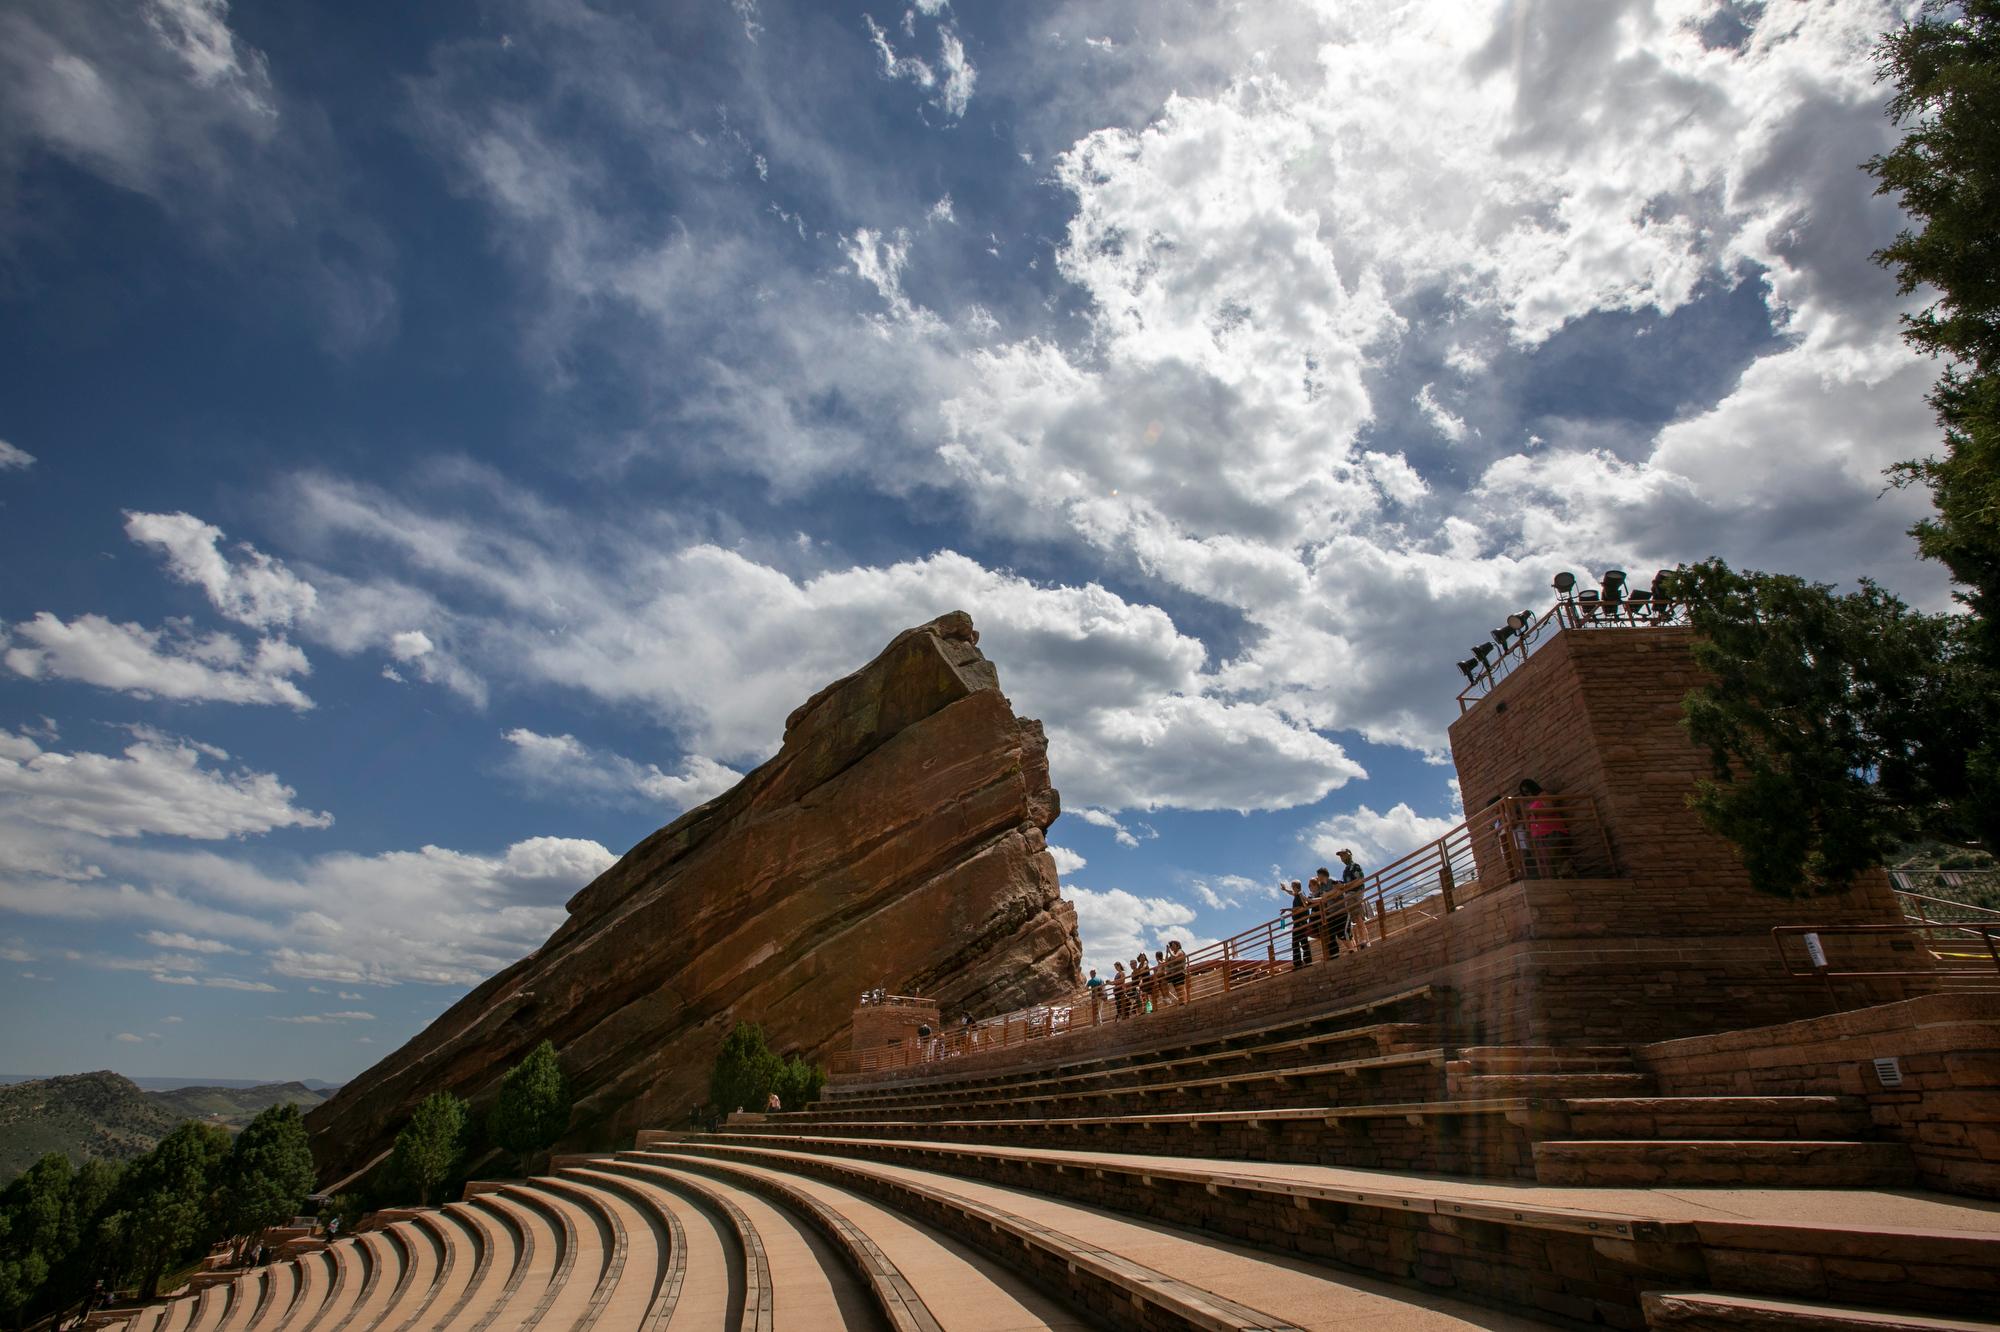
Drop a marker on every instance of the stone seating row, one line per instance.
(1404, 1020)
(744, 1234)
(1404, 1075)
(1566, 1264)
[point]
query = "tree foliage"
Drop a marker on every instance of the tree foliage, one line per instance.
(430, 1146)
(270, 1171)
(1945, 65)
(747, 1071)
(532, 1110)
(1840, 726)
(171, 1200)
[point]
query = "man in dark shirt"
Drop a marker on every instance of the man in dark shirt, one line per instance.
(1353, 896)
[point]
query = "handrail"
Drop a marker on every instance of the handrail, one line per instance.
(1917, 906)
(1932, 936)
(1553, 835)
(1640, 611)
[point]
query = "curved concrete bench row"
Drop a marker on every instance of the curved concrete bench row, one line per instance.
(734, 1233)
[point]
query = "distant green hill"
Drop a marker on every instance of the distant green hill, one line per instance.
(104, 1115)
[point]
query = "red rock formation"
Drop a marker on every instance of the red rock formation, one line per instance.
(894, 840)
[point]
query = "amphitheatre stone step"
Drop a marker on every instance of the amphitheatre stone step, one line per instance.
(965, 1286)
(503, 1256)
(242, 1302)
(387, 1268)
(629, 1262)
(1115, 1269)
(1549, 1085)
(470, 1257)
(1673, 1311)
(695, 1288)
(533, 1271)
(1491, 1137)
(577, 1266)
(901, 1306)
(751, 1294)
(337, 1304)
(281, 1288)
(435, 1242)
(1793, 1164)
(1730, 1117)
(1208, 1045)
(812, 1285)
(1533, 1248)
(315, 1273)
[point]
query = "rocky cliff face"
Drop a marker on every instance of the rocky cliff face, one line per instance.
(894, 840)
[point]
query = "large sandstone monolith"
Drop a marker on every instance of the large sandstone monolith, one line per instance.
(894, 840)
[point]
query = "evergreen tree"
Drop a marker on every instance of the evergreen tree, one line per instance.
(430, 1146)
(1946, 173)
(532, 1110)
(171, 1198)
(270, 1171)
(799, 1083)
(1840, 726)
(745, 1073)
(34, 1240)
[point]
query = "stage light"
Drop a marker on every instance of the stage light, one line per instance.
(1614, 584)
(1470, 668)
(1663, 585)
(1587, 601)
(1502, 635)
(1564, 581)
(1482, 651)
(1638, 603)
(1520, 620)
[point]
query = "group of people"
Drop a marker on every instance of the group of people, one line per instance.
(1143, 985)
(1327, 913)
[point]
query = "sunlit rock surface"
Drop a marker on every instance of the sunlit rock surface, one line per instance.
(896, 839)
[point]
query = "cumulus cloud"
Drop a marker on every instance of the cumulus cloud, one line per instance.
(162, 784)
(1067, 862)
(1115, 925)
(174, 662)
(246, 586)
(562, 764)
(1376, 839)
(14, 459)
(185, 943)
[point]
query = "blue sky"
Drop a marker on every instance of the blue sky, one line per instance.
(442, 443)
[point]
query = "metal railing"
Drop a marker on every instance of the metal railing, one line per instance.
(1951, 948)
(1929, 907)
(1548, 836)
(1585, 611)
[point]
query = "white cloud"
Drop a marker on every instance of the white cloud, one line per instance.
(308, 1019)
(1224, 892)
(941, 211)
(1067, 862)
(16, 459)
(161, 785)
(129, 1038)
(171, 1018)
(185, 943)
(165, 979)
(1376, 839)
(175, 662)
(564, 765)
(252, 588)
(1115, 925)
(236, 983)
(951, 89)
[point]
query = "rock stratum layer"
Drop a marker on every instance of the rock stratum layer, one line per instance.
(896, 839)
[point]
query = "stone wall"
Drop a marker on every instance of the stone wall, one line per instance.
(1947, 1047)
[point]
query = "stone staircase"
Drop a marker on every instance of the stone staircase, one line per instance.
(1598, 1121)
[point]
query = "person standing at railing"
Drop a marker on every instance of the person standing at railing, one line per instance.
(1547, 834)
(1119, 987)
(1174, 982)
(1329, 912)
(1302, 927)
(1354, 897)
(1142, 983)
(1095, 985)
